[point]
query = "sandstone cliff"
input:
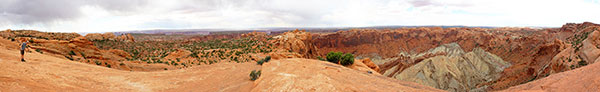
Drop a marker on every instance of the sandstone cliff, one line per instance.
(296, 42)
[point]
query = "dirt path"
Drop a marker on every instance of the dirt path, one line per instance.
(47, 73)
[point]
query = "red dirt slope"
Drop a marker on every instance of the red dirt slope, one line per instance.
(584, 79)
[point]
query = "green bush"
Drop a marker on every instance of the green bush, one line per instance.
(71, 53)
(83, 55)
(347, 59)
(40, 51)
(340, 58)
(334, 57)
(321, 58)
(254, 75)
(266, 59)
(582, 63)
(70, 58)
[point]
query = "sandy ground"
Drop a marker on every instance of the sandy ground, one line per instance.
(47, 73)
(300, 75)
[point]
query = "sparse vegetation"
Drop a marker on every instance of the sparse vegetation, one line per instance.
(582, 63)
(83, 55)
(232, 50)
(71, 53)
(576, 40)
(321, 58)
(70, 58)
(254, 74)
(97, 62)
(40, 51)
(266, 59)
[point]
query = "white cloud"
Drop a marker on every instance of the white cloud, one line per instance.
(122, 15)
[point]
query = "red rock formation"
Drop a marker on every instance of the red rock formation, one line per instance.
(584, 79)
(109, 36)
(296, 41)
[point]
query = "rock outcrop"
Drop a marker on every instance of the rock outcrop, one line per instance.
(365, 65)
(180, 53)
(584, 79)
(71, 46)
(109, 36)
(296, 41)
(457, 71)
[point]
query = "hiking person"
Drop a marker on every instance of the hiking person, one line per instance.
(23, 47)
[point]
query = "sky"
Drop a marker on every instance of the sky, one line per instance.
(126, 15)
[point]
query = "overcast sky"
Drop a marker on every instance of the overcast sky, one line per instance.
(124, 15)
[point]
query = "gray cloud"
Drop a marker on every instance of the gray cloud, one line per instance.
(421, 3)
(41, 11)
(29, 11)
(302, 12)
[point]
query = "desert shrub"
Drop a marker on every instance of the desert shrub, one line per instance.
(254, 75)
(31, 40)
(266, 59)
(40, 51)
(582, 63)
(334, 57)
(70, 58)
(202, 62)
(82, 55)
(108, 66)
(194, 54)
(340, 58)
(122, 64)
(321, 58)
(347, 59)
(97, 62)
(71, 53)
(158, 61)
